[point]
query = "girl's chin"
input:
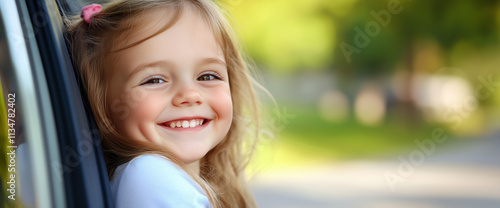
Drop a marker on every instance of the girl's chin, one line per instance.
(192, 158)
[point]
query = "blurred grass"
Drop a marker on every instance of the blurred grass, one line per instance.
(309, 139)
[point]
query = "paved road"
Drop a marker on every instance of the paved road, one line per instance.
(462, 175)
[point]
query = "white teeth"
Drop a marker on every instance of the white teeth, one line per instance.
(186, 124)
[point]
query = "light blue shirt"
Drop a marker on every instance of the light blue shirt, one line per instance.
(153, 181)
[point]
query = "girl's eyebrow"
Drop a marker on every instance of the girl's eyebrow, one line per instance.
(167, 63)
(207, 61)
(142, 67)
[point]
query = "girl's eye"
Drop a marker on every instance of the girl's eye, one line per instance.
(153, 81)
(209, 77)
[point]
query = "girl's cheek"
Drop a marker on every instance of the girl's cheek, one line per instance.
(222, 102)
(144, 109)
(144, 104)
(135, 105)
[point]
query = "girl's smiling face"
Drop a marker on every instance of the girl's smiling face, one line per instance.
(173, 89)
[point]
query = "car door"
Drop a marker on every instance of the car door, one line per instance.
(58, 160)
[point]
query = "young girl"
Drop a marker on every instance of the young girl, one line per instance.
(171, 95)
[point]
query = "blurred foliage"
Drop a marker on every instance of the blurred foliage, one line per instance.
(446, 22)
(286, 35)
(305, 34)
(403, 39)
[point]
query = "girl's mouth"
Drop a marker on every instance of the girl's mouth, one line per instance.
(185, 123)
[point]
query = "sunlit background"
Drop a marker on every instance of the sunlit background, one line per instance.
(382, 103)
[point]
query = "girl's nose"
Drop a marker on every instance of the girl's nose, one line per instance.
(187, 96)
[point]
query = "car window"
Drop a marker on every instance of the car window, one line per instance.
(58, 158)
(82, 164)
(28, 144)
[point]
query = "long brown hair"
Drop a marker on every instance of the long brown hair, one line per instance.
(93, 45)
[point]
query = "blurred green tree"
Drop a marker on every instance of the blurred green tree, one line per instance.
(285, 35)
(391, 28)
(380, 36)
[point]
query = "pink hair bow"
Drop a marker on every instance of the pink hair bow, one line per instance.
(89, 11)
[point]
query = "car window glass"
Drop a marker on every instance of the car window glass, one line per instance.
(15, 167)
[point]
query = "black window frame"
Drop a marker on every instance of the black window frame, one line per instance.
(85, 177)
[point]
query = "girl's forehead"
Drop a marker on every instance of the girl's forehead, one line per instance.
(189, 27)
(156, 21)
(141, 26)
